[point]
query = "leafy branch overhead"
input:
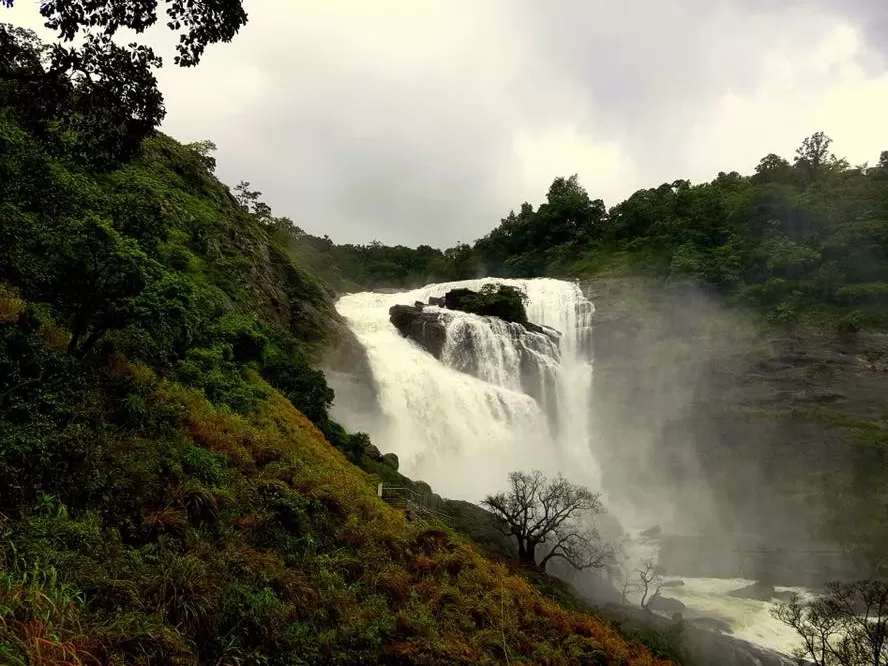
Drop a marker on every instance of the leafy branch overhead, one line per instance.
(97, 101)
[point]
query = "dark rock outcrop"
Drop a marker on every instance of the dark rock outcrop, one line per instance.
(673, 583)
(494, 300)
(651, 532)
(757, 591)
(427, 329)
(544, 330)
(391, 460)
(760, 592)
(372, 452)
(702, 646)
(665, 605)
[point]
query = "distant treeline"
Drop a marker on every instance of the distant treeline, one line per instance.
(794, 238)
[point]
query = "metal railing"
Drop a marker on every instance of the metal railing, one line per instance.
(414, 505)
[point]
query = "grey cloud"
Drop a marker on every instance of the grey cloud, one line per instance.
(871, 16)
(365, 144)
(649, 69)
(348, 148)
(399, 121)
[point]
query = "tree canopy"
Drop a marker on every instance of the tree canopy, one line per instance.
(98, 100)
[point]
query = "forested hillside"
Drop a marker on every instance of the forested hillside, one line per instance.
(170, 492)
(800, 240)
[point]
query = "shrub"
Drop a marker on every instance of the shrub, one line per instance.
(494, 300)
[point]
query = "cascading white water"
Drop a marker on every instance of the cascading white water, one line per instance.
(463, 433)
(559, 305)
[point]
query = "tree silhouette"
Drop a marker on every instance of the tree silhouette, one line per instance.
(550, 513)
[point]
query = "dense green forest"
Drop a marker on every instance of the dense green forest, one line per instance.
(172, 489)
(807, 239)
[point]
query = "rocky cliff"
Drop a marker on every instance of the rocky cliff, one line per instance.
(770, 444)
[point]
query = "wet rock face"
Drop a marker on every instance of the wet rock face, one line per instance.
(666, 605)
(761, 592)
(347, 369)
(702, 639)
(426, 328)
(749, 432)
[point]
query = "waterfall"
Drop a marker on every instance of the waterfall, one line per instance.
(504, 398)
(500, 399)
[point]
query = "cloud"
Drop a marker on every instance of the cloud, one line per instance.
(426, 122)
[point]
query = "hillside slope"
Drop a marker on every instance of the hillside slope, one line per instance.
(169, 493)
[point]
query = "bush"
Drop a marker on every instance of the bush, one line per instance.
(494, 300)
(850, 323)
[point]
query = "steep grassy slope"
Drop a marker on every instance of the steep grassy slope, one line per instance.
(258, 538)
(168, 490)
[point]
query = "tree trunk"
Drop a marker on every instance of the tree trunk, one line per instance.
(526, 551)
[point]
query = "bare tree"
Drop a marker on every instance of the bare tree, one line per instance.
(552, 513)
(650, 580)
(846, 627)
(618, 572)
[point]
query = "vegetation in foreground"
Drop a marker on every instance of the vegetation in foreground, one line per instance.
(218, 537)
(847, 626)
(170, 492)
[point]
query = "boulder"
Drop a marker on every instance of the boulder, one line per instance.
(391, 460)
(372, 452)
(673, 583)
(665, 605)
(419, 305)
(500, 301)
(713, 624)
(654, 531)
(425, 328)
(758, 591)
(436, 300)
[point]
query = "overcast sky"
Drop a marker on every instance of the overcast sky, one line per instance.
(419, 121)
